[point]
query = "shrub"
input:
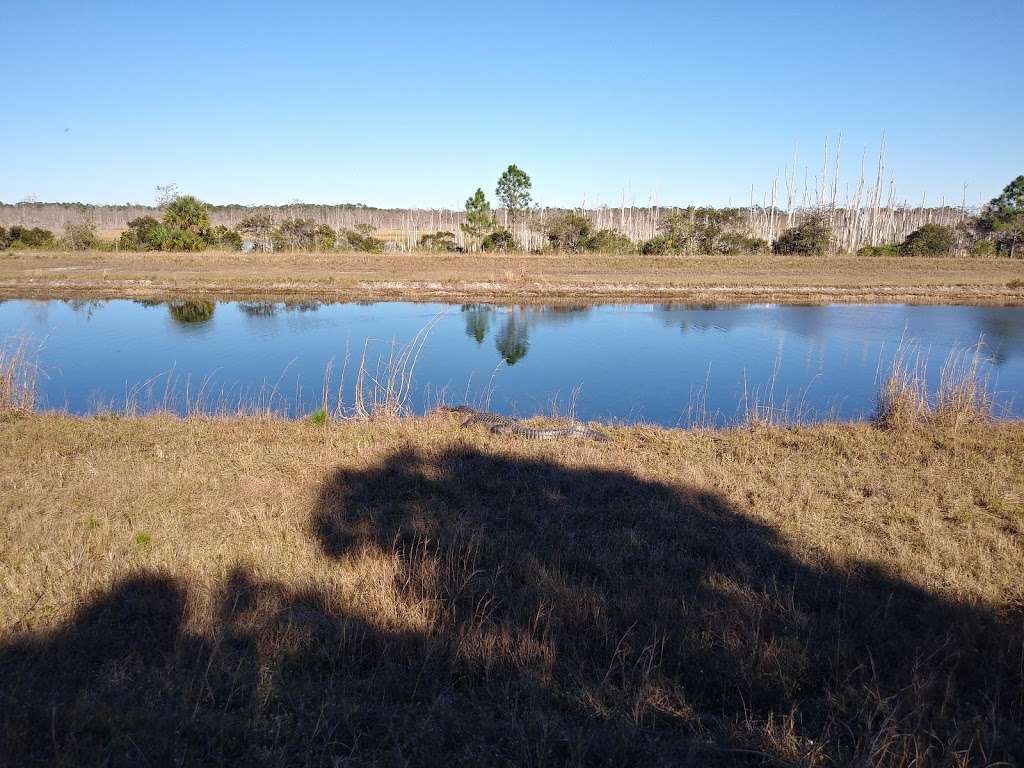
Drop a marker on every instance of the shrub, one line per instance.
(811, 238)
(259, 228)
(166, 238)
(4, 242)
(499, 240)
(147, 234)
(928, 240)
(570, 231)
(303, 235)
(128, 241)
(360, 241)
(733, 243)
(439, 241)
(659, 245)
(139, 235)
(188, 213)
(610, 241)
(225, 239)
(24, 237)
(80, 236)
(983, 248)
(879, 250)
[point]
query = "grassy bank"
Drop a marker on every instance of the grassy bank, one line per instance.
(389, 591)
(525, 278)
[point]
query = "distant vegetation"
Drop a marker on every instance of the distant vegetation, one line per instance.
(185, 223)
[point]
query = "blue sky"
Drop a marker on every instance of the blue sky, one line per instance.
(417, 104)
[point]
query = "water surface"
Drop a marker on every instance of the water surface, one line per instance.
(667, 364)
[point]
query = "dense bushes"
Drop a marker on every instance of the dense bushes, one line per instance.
(929, 240)
(499, 240)
(185, 227)
(189, 214)
(356, 240)
(573, 232)
(879, 250)
(147, 234)
(25, 237)
(610, 241)
(439, 241)
(702, 231)
(734, 243)
(80, 236)
(303, 235)
(812, 238)
(568, 232)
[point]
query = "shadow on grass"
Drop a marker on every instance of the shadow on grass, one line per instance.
(573, 617)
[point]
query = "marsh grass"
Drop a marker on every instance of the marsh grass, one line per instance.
(963, 395)
(404, 591)
(19, 373)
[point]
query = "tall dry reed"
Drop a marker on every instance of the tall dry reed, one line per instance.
(18, 375)
(963, 394)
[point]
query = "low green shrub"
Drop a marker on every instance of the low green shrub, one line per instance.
(929, 240)
(439, 241)
(188, 213)
(360, 241)
(499, 240)
(736, 243)
(24, 237)
(166, 238)
(569, 231)
(80, 236)
(294, 234)
(225, 239)
(984, 248)
(811, 238)
(659, 245)
(879, 250)
(610, 241)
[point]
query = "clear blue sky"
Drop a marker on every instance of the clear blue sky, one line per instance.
(416, 104)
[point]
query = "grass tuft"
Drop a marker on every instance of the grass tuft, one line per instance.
(18, 376)
(963, 394)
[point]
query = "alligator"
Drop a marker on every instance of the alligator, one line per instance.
(506, 425)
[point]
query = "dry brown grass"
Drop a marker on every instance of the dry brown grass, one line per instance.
(264, 592)
(18, 374)
(521, 277)
(963, 395)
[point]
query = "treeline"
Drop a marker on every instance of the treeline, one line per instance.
(185, 224)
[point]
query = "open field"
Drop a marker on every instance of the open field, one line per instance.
(398, 592)
(519, 277)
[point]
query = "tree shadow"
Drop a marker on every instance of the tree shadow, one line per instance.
(574, 616)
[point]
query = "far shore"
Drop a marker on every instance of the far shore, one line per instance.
(519, 278)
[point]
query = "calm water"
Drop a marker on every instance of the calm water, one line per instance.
(656, 363)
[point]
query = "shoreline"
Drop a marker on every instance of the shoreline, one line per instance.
(512, 278)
